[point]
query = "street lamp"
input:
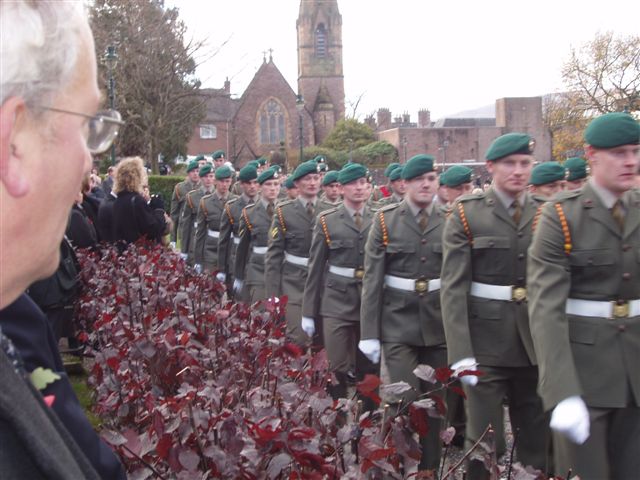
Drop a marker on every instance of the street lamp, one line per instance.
(300, 108)
(445, 144)
(350, 142)
(404, 146)
(111, 59)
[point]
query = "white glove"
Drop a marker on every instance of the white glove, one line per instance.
(172, 245)
(198, 268)
(571, 418)
(184, 256)
(466, 364)
(221, 276)
(370, 348)
(309, 326)
(275, 300)
(237, 285)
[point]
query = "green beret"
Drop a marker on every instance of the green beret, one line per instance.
(319, 159)
(198, 158)
(396, 173)
(223, 172)
(268, 174)
(218, 154)
(323, 167)
(547, 172)
(612, 130)
(330, 177)
(261, 161)
(288, 183)
(205, 169)
(252, 163)
(390, 168)
(248, 173)
(193, 165)
(575, 168)
(303, 169)
(351, 172)
(456, 175)
(510, 144)
(417, 165)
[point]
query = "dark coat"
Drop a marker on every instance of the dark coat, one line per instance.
(104, 226)
(133, 219)
(26, 326)
(80, 230)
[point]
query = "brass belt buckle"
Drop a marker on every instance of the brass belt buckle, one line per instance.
(518, 294)
(620, 310)
(422, 286)
(359, 273)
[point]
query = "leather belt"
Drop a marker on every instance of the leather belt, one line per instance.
(498, 292)
(296, 260)
(260, 250)
(213, 233)
(347, 272)
(236, 240)
(602, 309)
(411, 285)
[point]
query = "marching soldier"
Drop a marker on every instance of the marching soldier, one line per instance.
(334, 282)
(208, 218)
(576, 171)
(387, 190)
(457, 180)
(584, 283)
(547, 179)
(484, 303)
(398, 188)
(255, 223)
(188, 224)
(331, 187)
(218, 158)
(289, 243)
(400, 307)
(291, 190)
(230, 223)
(179, 194)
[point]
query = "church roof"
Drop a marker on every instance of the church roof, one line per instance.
(219, 106)
(267, 68)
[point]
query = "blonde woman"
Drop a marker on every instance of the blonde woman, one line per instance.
(133, 216)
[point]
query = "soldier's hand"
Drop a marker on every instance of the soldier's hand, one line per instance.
(370, 348)
(198, 268)
(309, 326)
(571, 418)
(184, 256)
(221, 276)
(237, 285)
(172, 245)
(466, 364)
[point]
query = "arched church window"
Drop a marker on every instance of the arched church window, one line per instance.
(321, 41)
(272, 123)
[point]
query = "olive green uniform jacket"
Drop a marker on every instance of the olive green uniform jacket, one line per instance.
(188, 221)
(229, 228)
(291, 232)
(397, 246)
(210, 211)
(253, 232)
(491, 250)
(597, 358)
(337, 241)
(177, 203)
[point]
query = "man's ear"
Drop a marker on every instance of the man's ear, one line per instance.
(11, 173)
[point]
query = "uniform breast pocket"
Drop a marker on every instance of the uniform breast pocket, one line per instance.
(336, 245)
(491, 254)
(589, 264)
(401, 257)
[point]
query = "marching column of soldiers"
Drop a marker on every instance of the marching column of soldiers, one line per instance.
(529, 290)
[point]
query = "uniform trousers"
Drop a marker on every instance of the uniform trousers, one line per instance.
(485, 407)
(256, 292)
(401, 361)
(612, 451)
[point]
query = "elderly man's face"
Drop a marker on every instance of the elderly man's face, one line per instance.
(55, 158)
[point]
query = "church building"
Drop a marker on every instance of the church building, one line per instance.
(265, 120)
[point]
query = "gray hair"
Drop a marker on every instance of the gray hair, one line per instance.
(38, 47)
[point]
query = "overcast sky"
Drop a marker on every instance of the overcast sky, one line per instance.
(447, 56)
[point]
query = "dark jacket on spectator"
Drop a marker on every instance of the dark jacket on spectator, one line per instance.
(133, 218)
(105, 219)
(80, 230)
(26, 326)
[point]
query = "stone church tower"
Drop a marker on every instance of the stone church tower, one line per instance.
(320, 75)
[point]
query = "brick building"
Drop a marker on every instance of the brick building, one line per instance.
(265, 121)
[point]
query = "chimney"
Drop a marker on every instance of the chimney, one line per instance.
(369, 120)
(406, 119)
(424, 118)
(227, 86)
(384, 119)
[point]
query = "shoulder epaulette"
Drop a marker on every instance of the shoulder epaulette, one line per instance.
(227, 210)
(328, 211)
(569, 194)
(465, 222)
(204, 209)
(283, 226)
(386, 208)
(232, 200)
(286, 202)
(565, 228)
(471, 196)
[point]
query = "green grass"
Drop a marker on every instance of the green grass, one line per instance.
(83, 392)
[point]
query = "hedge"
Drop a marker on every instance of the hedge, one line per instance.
(163, 185)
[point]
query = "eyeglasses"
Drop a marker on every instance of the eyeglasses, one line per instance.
(102, 128)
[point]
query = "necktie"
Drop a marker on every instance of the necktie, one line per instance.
(310, 209)
(357, 218)
(617, 212)
(423, 219)
(517, 212)
(270, 209)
